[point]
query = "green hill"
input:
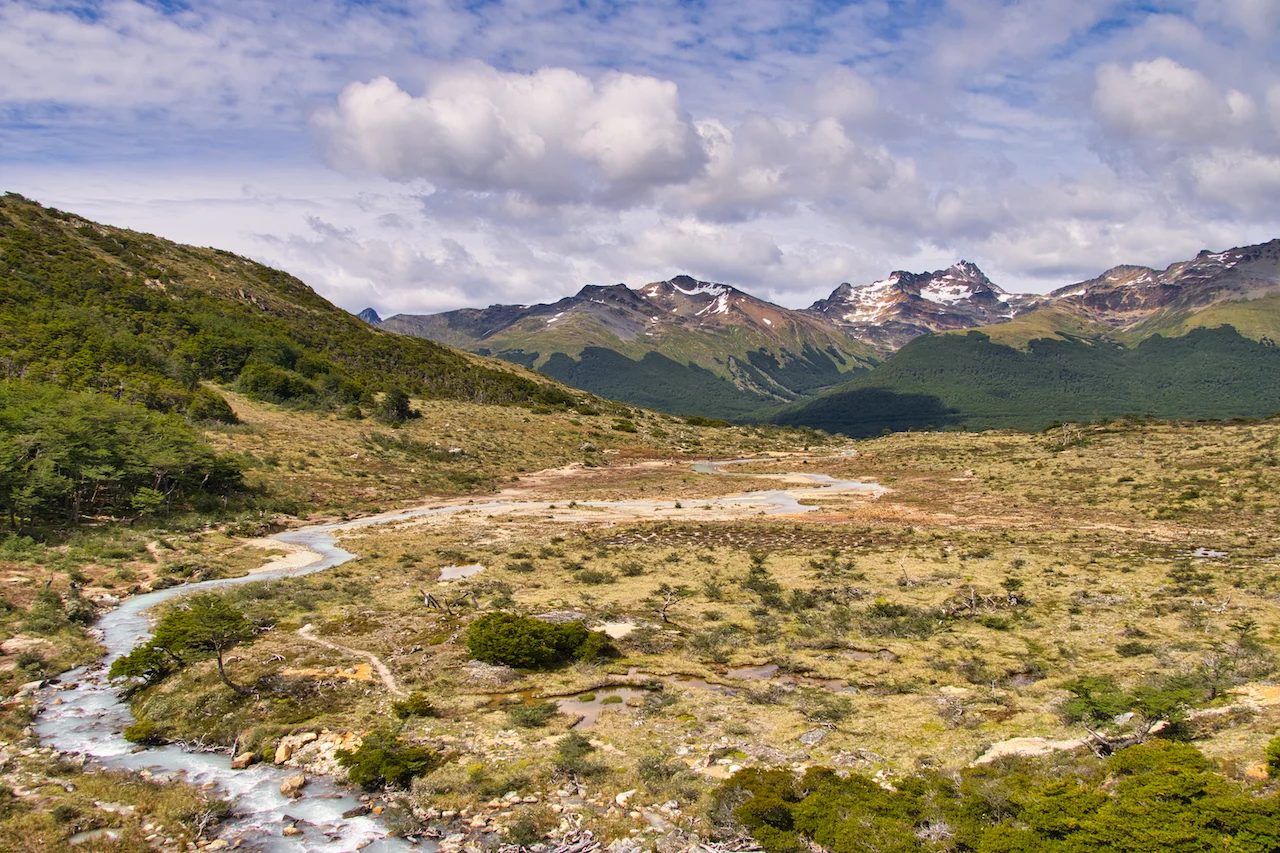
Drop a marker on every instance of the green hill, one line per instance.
(971, 381)
(89, 307)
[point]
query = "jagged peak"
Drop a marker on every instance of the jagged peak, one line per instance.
(370, 316)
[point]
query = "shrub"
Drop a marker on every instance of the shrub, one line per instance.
(145, 732)
(1133, 648)
(1272, 758)
(571, 756)
(527, 643)
(532, 716)
(384, 760)
(207, 405)
(416, 705)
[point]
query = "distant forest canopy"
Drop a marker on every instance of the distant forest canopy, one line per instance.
(88, 307)
(657, 381)
(969, 382)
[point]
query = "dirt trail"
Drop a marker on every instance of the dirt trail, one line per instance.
(306, 632)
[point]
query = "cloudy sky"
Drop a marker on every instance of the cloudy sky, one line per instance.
(424, 155)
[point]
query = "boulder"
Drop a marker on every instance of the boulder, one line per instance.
(293, 784)
(243, 760)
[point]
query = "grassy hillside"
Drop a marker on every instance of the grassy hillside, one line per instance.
(974, 382)
(91, 307)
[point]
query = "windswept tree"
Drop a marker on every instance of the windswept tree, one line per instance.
(204, 623)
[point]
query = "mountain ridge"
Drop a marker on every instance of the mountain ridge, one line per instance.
(745, 354)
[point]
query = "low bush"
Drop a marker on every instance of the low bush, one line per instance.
(532, 716)
(383, 760)
(527, 643)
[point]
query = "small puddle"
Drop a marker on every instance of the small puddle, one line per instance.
(453, 573)
(618, 630)
(604, 699)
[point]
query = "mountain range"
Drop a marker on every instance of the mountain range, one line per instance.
(681, 345)
(698, 347)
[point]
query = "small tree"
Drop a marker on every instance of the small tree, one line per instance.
(394, 408)
(210, 624)
(666, 597)
(206, 623)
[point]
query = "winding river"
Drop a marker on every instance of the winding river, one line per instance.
(84, 715)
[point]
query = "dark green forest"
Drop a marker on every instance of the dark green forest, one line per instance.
(658, 382)
(966, 381)
(87, 307)
(654, 381)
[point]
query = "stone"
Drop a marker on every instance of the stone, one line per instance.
(283, 752)
(813, 737)
(625, 797)
(293, 784)
(359, 811)
(290, 831)
(243, 760)
(218, 844)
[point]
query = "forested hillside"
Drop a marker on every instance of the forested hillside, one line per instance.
(90, 307)
(970, 381)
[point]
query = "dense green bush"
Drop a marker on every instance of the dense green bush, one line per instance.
(1152, 798)
(145, 732)
(528, 643)
(384, 760)
(65, 455)
(415, 705)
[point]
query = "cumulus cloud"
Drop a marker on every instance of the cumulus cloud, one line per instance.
(1195, 137)
(554, 135)
(1163, 100)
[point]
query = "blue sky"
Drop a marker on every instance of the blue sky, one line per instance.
(421, 156)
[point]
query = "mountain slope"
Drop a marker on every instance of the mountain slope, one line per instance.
(88, 306)
(682, 345)
(973, 382)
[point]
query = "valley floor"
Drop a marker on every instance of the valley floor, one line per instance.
(946, 619)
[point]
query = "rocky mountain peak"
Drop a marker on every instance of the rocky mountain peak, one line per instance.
(370, 316)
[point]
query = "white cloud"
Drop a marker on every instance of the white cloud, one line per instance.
(1163, 100)
(553, 135)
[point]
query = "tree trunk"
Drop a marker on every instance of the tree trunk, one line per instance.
(243, 691)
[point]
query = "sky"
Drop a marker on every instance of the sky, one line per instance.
(424, 155)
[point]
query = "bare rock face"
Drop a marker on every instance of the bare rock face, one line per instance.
(293, 784)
